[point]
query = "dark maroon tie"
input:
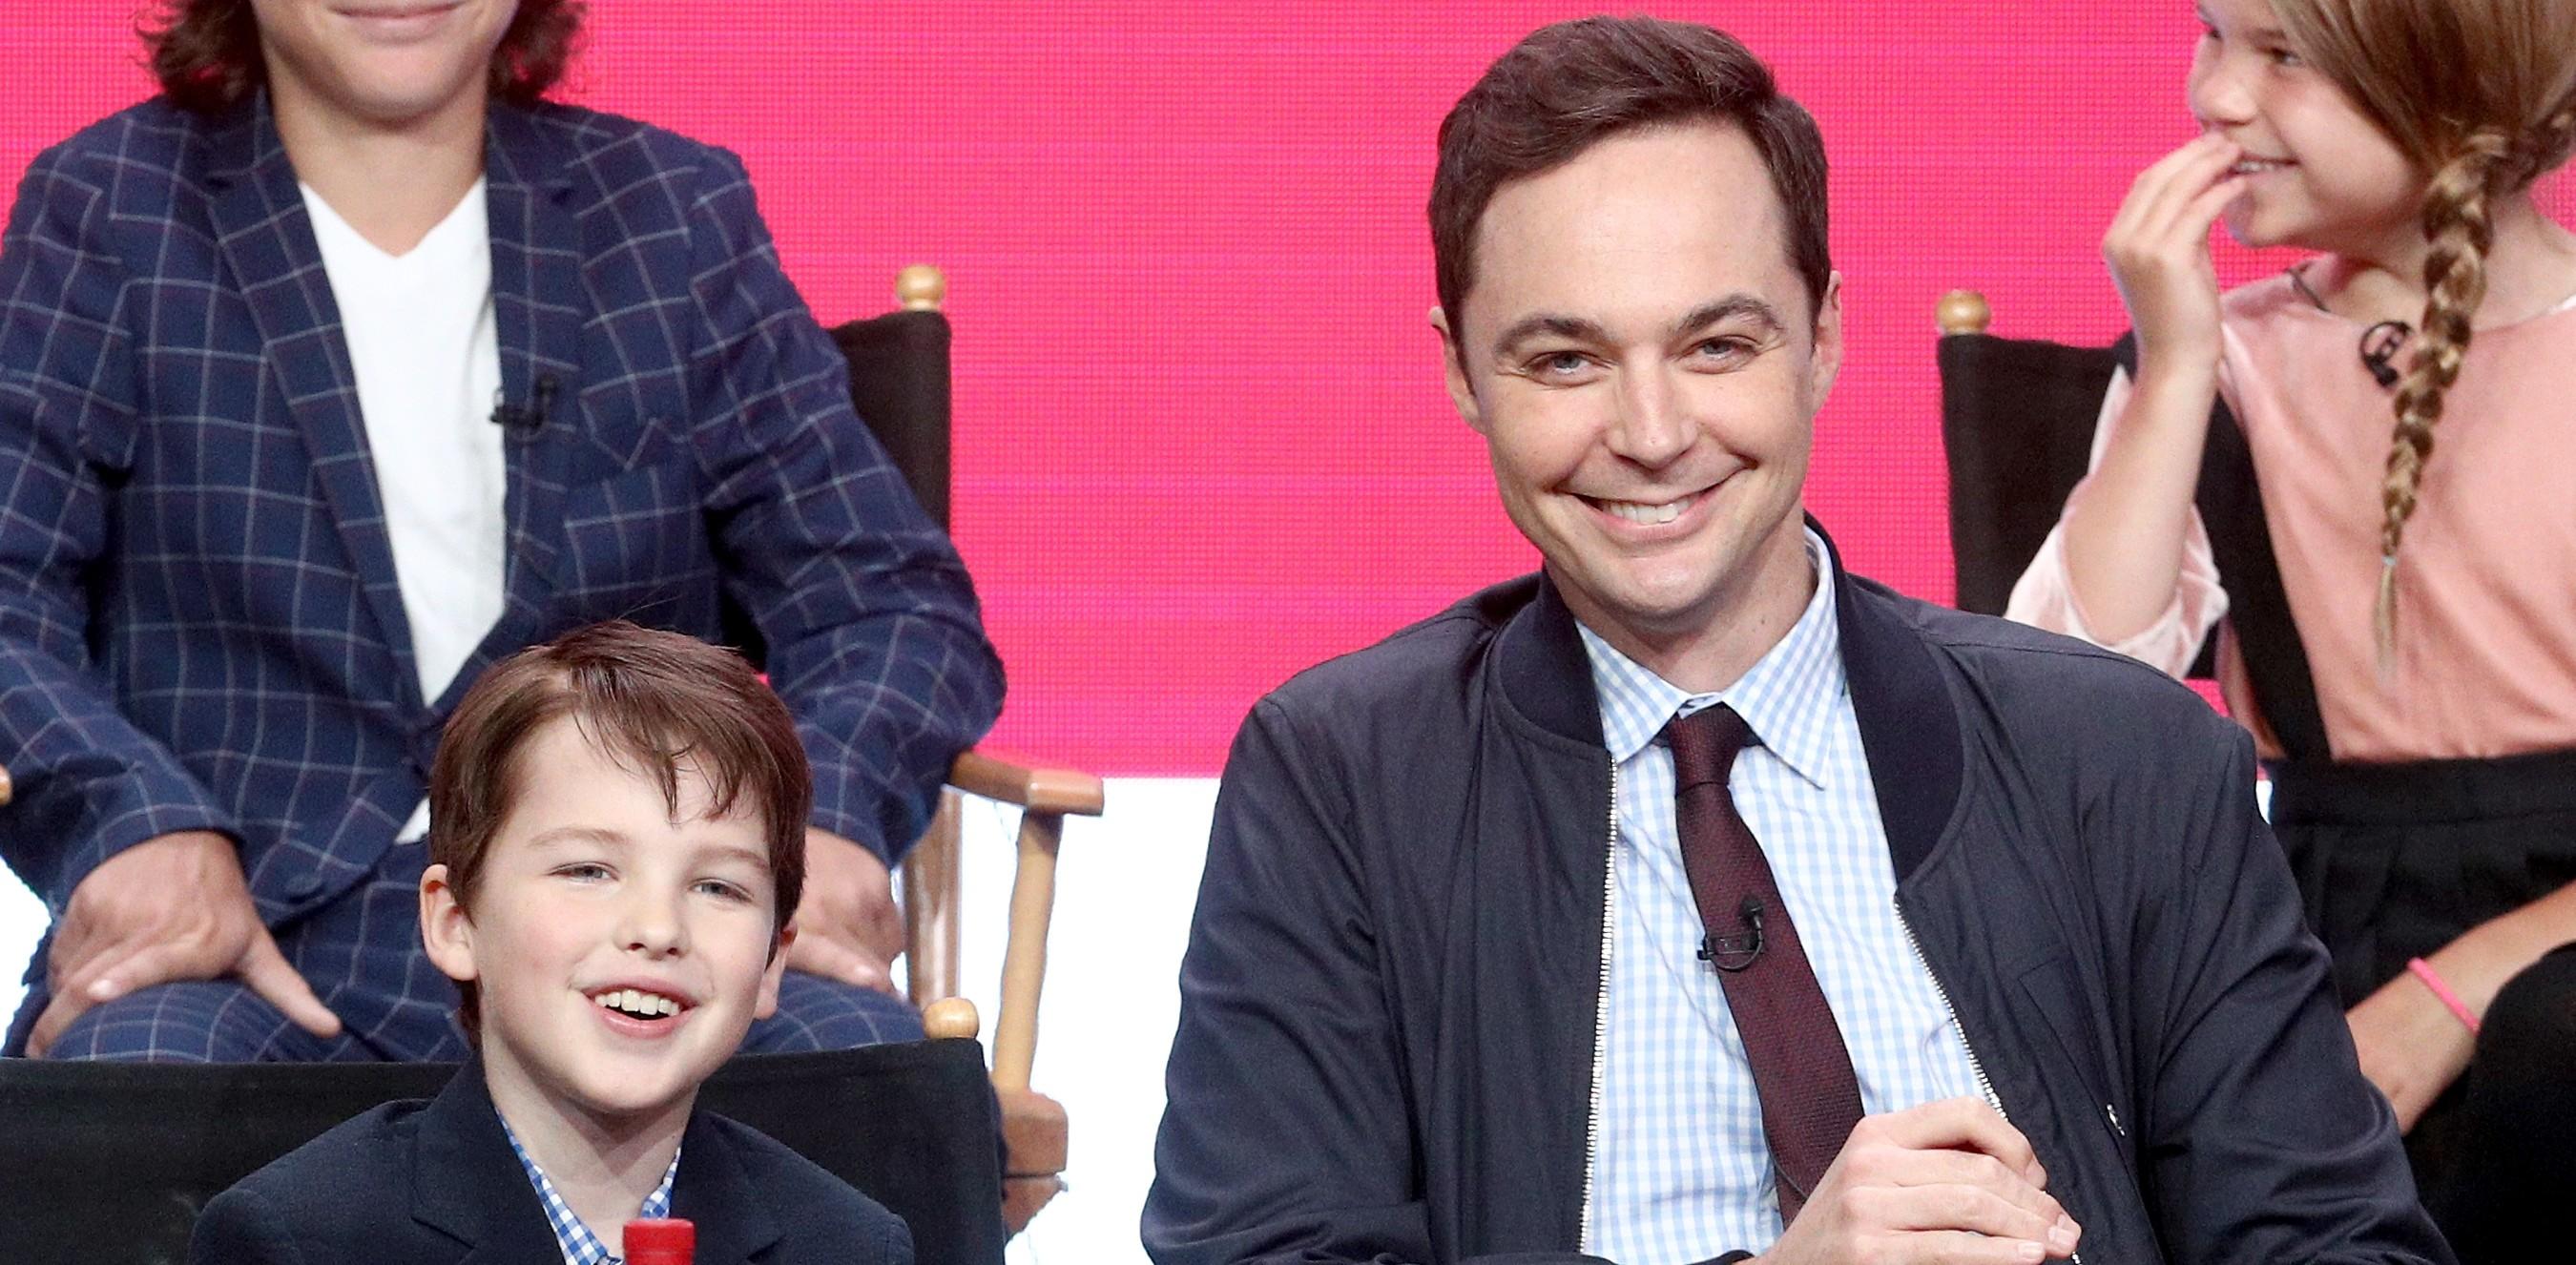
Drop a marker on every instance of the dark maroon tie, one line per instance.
(1810, 1098)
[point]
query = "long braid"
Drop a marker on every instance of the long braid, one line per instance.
(2548, 144)
(2456, 220)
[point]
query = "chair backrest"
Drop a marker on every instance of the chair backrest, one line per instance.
(2017, 423)
(2017, 420)
(108, 1163)
(899, 383)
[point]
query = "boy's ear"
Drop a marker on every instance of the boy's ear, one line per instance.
(444, 929)
(767, 1004)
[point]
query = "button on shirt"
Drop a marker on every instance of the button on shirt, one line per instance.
(580, 1246)
(1681, 1171)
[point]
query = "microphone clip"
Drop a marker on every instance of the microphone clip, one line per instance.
(2379, 346)
(525, 421)
(1736, 952)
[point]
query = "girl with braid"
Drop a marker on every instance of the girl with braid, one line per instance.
(2357, 474)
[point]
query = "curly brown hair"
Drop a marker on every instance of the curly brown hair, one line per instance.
(2481, 96)
(206, 52)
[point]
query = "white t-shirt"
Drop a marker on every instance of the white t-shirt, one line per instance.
(421, 337)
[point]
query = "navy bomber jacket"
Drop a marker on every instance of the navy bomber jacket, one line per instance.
(1391, 1002)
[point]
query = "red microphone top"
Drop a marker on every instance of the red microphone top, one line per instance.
(660, 1241)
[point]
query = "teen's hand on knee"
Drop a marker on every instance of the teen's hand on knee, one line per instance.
(170, 908)
(1943, 1182)
(2411, 1045)
(847, 925)
(2158, 249)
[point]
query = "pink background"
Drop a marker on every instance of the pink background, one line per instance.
(1201, 441)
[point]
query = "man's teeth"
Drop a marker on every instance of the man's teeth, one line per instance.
(640, 1004)
(2257, 166)
(1648, 515)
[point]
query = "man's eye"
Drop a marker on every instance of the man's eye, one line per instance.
(1723, 350)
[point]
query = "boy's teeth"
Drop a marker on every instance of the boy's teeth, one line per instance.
(633, 1002)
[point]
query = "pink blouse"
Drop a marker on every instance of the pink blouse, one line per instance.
(2485, 661)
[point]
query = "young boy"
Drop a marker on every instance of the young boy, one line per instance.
(617, 837)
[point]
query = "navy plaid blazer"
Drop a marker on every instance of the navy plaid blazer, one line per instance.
(199, 620)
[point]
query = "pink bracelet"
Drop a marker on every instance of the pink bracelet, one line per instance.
(2423, 970)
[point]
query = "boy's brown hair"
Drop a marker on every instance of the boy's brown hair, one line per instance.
(1572, 85)
(206, 52)
(649, 700)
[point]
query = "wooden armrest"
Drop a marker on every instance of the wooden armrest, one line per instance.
(1038, 789)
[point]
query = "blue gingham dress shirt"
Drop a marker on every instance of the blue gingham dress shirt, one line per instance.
(580, 1246)
(1682, 1171)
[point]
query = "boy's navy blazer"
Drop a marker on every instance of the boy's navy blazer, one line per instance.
(435, 1182)
(200, 625)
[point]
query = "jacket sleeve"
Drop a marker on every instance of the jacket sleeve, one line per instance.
(238, 1228)
(875, 640)
(1287, 1134)
(89, 784)
(2263, 1140)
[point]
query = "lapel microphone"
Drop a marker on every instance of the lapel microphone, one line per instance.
(1736, 952)
(2379, 345)
(524, 421)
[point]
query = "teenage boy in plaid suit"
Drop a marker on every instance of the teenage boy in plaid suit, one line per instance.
(337, 372)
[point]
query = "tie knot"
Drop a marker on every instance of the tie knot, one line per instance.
(1705, 744)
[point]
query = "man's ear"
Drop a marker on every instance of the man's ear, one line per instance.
(1453, 363)
(1827, 362)
(445, 931)
(767, 1003)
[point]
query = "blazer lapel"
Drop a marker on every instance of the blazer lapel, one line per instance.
(267, 241)
(467, 1184)
(733, 1220)
(538, 306)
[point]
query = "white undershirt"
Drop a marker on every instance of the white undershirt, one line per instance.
(428, 360)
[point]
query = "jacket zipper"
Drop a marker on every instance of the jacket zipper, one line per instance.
(1976, 1066)
(1600, 1016)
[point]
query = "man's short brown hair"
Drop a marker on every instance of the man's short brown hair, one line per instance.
(1572, 85)
(652, 701)
(206, 52)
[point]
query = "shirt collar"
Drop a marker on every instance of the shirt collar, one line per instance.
(580, 1246)
(1786, 696)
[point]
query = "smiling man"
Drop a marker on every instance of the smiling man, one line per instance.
(337, 372)
(1694, 898)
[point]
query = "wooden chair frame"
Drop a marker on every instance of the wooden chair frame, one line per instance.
(1033, 1125)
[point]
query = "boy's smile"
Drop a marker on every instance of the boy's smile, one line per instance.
(620, 950)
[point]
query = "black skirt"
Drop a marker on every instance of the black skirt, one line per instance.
(2396, 860)
(2393, 862)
